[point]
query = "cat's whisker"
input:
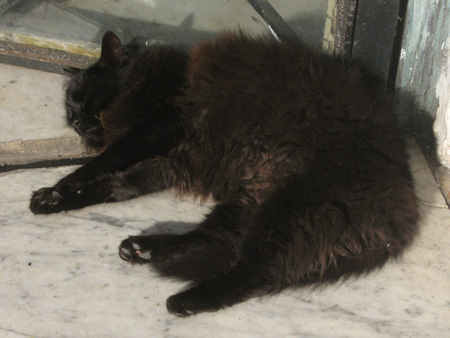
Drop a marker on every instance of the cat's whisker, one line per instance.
(92, 129)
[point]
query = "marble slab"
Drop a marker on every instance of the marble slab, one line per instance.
(60, 276)
(31, 105)
(33, 126)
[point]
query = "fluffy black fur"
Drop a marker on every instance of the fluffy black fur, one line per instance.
(302, 155)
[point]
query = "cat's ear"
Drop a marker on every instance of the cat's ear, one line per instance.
(72, 70)
(111, 50)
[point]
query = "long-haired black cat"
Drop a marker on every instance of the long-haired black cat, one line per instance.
(301, 154)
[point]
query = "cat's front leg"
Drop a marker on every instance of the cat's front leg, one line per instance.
(70, 196)
(142, 178)
(46, 201)
(82, 188)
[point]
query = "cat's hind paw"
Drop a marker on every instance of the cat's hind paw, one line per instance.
(133, 252)
(181, 307)
(191, 302)
(46, 201)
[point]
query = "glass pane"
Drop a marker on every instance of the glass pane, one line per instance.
(78, 25)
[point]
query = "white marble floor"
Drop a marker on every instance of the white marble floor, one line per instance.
(60, 276)
(31, 105)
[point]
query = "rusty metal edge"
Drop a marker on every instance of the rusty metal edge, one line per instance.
(41, 58)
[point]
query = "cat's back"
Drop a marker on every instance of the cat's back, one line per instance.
(248, 78)
(270, 108)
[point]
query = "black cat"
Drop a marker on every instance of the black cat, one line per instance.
(300, 152)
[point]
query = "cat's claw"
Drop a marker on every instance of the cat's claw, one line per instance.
(131, 252)
(46, 201)
(143, 254)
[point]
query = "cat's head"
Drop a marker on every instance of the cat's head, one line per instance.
(92, 90)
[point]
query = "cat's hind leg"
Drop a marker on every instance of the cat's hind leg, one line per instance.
(235, 286)
(304, 234)
(313, 232)
(209, 250)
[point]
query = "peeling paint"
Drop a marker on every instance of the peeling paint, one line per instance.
(403, 54)
(425, 33)
(442, 122)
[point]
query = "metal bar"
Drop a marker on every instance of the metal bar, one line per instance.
(345, 25)
(276, 23)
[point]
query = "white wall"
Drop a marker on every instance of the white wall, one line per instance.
(442, 122)
(423, 78)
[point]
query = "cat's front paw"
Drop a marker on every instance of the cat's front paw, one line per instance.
(132, 251)
(46, 201)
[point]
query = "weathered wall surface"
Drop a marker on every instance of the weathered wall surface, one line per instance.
(423, 78)
(442, 122)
